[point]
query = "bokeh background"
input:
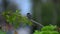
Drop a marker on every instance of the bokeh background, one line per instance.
(43, 11)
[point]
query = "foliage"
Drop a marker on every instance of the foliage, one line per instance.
(12, 17)
(15, 18)
(26, 21)
(47, 30)
(2, 32)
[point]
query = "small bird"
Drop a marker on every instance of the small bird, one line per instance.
(29, 16)
(31, 19)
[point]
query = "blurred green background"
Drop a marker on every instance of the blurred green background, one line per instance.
(47, 11)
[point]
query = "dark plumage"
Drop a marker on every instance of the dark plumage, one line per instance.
(29, 16)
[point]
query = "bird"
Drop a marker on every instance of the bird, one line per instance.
(31, 19)
(29, 16)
